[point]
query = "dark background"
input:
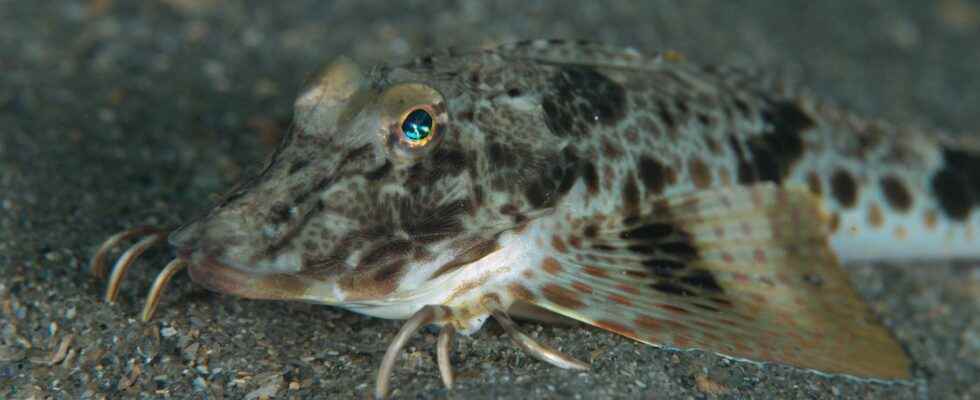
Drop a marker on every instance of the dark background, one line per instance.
(120, 113)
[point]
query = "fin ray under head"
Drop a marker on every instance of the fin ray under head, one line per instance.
(744, 272)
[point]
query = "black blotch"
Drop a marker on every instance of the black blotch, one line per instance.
(703, 280)
(682, 250)
(379, 172)
(776, 151)
(603, 247)
(514, 92)
(642, 248)
(844, 188)
(663, 267)
(653, 174)
(581, 99)
(654, 231)
(957, 185)
(672, 289)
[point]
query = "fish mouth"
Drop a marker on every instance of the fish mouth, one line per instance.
(216, 276)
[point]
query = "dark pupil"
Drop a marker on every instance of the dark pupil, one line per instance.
(417, 125)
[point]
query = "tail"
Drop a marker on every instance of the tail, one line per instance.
(894, 193)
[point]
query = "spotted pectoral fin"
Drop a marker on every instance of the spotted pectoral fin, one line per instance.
(744, 272)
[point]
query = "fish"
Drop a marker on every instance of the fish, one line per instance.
(681, 205)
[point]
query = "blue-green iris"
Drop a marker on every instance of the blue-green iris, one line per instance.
(417, 125)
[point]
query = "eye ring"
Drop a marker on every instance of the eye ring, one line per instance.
(417, 126)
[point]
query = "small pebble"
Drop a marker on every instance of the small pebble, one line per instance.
(168, 332)
(200, 383)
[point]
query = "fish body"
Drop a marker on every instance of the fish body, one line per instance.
(676, 204)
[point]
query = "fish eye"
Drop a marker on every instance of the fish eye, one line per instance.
(413, 120)
(417, 126)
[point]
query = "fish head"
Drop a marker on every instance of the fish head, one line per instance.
(388, 178)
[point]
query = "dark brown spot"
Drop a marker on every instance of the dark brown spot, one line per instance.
(672, 289)
(663, 267)
(834, 222)
(663, 111)
(844, 188)
(562, 297)
(813, 182)
(555, 181)
(649, 323)
(653, 174)
(875, 217)
(581, 287)
(700, 173)
(702, 279)
(558, 244)
(896, 193)
(610, 150)
(595, 271)
(581, 99)
(631, 198)
(591, 177)
(653, 231)
(379, 172)
(931, 220)
(551, 266)
(279, 213)
(590, 231)
(520, 292)
(298, 165)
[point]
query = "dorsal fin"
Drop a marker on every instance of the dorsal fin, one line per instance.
(744, 272)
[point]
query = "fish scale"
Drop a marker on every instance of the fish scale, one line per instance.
(679, 205)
